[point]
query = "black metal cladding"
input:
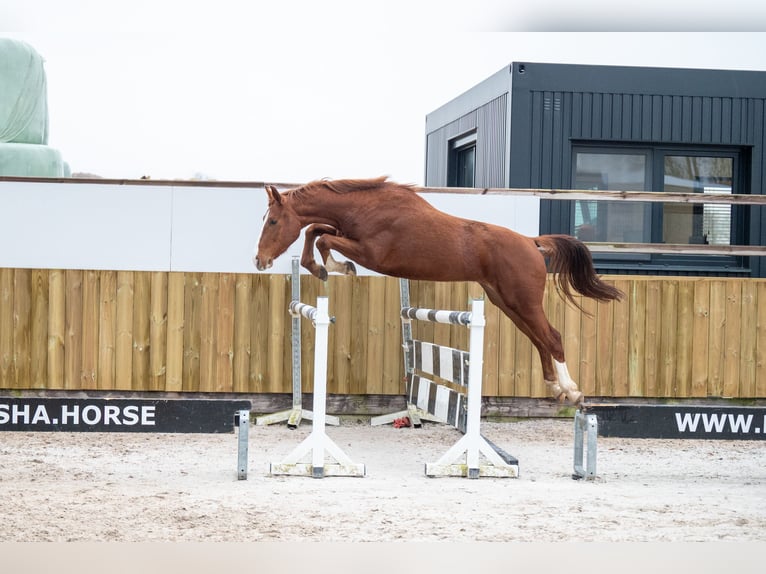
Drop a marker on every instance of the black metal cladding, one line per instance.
(556, 106)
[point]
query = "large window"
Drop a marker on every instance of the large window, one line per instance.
(682, 170)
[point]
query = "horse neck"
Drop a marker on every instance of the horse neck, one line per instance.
(328, 208)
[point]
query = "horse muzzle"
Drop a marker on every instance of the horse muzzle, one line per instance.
(260, 265)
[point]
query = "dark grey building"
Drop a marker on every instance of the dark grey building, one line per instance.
(556, 126)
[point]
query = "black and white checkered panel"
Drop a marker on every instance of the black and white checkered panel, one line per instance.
(440, 401)
(444, 362)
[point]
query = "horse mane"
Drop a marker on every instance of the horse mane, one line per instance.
(348, 185)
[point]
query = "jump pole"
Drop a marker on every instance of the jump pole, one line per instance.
(294, 415)
(317, 442)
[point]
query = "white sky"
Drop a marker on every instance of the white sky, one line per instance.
(293, 91)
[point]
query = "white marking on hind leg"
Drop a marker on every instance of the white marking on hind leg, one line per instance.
(568, 386)
(555, 389)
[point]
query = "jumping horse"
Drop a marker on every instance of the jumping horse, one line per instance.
(388, 228)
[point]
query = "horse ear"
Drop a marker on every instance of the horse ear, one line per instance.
(274, 195)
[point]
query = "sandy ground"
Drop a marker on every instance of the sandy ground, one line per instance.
(151, 487)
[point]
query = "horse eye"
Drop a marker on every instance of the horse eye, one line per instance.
(272, 221)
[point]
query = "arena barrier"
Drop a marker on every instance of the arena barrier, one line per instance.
(317, 442)
(294, 415)
(708, 422)
(429, 400)
(66, 414)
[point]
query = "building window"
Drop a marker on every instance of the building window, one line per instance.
(461, 165)
(682, 170)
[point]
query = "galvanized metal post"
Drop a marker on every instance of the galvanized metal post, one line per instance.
(296, 343)
(586, 430)
(243, 425)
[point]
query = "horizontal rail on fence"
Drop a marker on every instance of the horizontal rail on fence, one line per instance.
(690, 249)
(607, 195)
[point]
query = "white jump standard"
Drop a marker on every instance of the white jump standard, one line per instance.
(294, 415)
(471, 445)
(317, 442)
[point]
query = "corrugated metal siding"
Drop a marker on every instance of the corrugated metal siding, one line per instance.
(489, 121)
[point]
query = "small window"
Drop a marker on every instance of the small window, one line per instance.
(461, 167)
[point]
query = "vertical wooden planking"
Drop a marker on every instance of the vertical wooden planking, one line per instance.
(141, 329)
(684, 339)
(192, 332)
(158, 331)
(490, 382)
(124, 340)
(175, 329)
(732, 338)
(224, 371)
(39, 328)
(376, 330)
(605, 348)
(393, 360)
(588, 348)
(259, 330)
(748, 338)
(107, 330)
(506, 354)
(637, 338)
(22, 329)
(359, 330)
(716, 349)
(208, 313)
(242, 320)
(73, 333)
(700, 339)
(6, 327)
(760, 338)
(91, 299)
(278, 324)
(668, 338)
(621, 345)
(56, 328)
(652, 345)
(340, 303)
(571, 337)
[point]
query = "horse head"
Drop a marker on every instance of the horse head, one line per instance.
(281, 228)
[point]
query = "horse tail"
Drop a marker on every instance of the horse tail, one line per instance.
(570, 261)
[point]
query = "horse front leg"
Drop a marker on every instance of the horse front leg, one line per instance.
(344, 245)
(314, 231)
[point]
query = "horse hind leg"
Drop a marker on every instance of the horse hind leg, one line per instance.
(547, 341)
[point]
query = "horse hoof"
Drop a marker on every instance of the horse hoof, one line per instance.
(576, 398)
(322, 274)
(350, 268)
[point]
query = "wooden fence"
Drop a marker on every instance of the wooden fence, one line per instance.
(219, 332)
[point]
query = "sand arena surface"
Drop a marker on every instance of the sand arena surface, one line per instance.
(173, 487)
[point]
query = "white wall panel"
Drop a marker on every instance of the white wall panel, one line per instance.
(84, 226)
(176, 228)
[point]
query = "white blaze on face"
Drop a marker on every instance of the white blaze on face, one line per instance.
(255, 248)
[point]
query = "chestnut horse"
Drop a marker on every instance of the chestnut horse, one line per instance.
(388, 228)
